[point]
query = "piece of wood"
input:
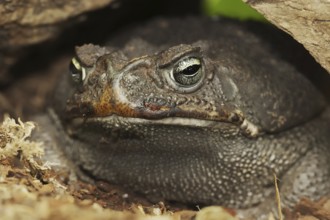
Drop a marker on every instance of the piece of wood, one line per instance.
(306, 21)
(33, 21)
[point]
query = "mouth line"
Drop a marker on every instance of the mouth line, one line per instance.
(181, 121)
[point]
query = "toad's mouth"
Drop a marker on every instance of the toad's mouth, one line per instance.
(114, 108)
(180, 121)
(118, 122)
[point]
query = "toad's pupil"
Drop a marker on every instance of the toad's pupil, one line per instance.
(74, 70)
(76, 74)
(191, 70)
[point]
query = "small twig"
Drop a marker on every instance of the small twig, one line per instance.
(278, 198)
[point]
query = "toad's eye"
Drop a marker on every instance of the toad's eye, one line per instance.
(78, 73)
(187, 72)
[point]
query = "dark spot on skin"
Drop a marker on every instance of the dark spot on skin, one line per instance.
(234, 118)
(86, 109)
(151, 106)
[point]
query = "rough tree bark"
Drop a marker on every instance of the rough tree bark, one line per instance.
(23, 23)
(32, 21)
(307, 21)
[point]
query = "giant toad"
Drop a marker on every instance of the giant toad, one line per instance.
(196, 111)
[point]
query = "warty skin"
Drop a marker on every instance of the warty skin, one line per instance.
(200, 119)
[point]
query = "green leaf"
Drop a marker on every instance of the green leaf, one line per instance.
(231, 8)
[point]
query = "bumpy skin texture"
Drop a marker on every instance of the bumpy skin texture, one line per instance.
(215, 141)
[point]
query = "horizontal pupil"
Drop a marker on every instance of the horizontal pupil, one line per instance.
(191, 70)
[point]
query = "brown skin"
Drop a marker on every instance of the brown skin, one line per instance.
(202, 119)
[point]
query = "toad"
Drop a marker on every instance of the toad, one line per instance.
(195, 111)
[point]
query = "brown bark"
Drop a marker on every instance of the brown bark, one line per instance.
(32, 21)
(307, 21)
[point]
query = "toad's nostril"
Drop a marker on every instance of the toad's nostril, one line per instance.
(78, 110)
